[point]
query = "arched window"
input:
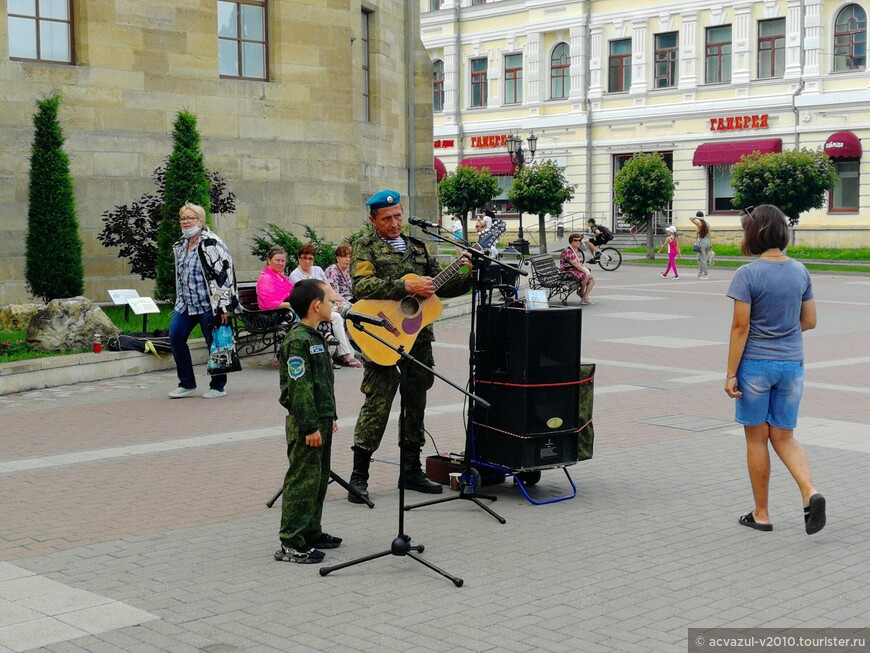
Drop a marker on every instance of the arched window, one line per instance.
(560, 72)
(850, 39)
(438, 86)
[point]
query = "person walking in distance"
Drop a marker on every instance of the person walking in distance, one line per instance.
(673, 246)
(703, 244)
(380, 261)
(773, 306)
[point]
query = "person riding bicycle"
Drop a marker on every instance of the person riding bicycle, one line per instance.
(601, 235)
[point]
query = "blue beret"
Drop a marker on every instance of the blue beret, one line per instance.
(383, 199)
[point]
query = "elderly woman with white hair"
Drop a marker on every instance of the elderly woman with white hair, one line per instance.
(205, 294)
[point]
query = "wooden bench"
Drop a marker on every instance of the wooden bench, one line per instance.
(256, 330)
(545, 275)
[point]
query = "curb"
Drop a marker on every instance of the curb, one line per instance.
(52, 371)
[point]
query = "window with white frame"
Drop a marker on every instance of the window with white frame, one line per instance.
(242, 39)
(40, 30)
(721, 192)
(560, 72)
(438, 86)
(844, 197)
(717, 59)
(771, 48)
(850, 39)
(513, 79)
(620, 66)
(667, 57)
(479, 82)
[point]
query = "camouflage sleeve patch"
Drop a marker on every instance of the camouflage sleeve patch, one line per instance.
(364, 269)
(295, 367)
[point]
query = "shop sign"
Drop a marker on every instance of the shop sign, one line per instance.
(443, 142)
(735, 123)
(498, 140)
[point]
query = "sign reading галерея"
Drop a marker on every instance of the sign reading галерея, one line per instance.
(735, 123)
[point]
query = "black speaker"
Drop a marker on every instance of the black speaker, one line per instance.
(528, 346)
(528, 369)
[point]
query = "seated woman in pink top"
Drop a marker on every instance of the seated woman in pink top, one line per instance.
(273, 286)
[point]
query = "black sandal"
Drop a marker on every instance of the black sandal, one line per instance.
(814, 514)
(749, 520)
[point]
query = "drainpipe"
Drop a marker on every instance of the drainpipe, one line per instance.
(409, 94)
(801, 82)
(457, 72)
(587, 52)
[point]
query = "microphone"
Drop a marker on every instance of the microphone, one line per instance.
(361, 318)
(420, 222)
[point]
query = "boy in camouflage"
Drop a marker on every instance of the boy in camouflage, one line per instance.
(307, 392)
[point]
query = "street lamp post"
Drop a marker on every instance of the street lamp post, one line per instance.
(519, 157)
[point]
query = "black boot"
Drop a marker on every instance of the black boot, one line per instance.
(359, 477)
(413, 471)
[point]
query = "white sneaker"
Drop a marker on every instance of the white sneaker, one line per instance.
(181, 393)
(214, 394)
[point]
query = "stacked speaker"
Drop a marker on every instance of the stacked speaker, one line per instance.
(528, 369)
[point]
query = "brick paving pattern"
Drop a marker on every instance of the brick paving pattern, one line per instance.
(130, 522)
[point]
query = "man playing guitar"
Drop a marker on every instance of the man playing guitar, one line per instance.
(380, 261)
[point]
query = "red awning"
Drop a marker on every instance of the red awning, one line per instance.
(712, 154)
(498, 165)
(843, 145)
(440, 169)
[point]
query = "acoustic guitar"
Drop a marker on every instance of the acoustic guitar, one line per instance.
(405, 318)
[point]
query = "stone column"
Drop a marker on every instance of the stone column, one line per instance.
(793, 40)
(578, 67)
(452, 81)
(812, 46)
(741, 38)
(533, 73)
(691, 60)
(638, 58)
(595, 89)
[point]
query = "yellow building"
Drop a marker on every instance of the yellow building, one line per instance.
(598, 80)
(302, 106)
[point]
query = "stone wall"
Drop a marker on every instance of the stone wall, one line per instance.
(295, 150)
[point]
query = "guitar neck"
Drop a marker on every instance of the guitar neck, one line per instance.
(448, 273)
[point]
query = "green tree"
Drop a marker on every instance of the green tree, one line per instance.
(133, 228)
(185, 181)
(466, 189)
(795, 181)
(541, 188)
(53, 250)
(643, 187)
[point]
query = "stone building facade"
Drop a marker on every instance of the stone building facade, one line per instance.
(302, 107)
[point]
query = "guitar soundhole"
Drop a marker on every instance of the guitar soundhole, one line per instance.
(409, 306)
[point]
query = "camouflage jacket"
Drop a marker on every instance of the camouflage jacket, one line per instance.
(307, 380)
(376, 271)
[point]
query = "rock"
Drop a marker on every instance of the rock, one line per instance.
(16, 317)
(69, 324)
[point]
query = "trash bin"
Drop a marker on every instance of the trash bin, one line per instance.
(521, 245)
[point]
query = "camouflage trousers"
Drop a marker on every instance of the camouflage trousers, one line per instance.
(304, 485)
(380, 384)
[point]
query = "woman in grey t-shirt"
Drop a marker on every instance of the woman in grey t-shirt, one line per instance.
(773, 306)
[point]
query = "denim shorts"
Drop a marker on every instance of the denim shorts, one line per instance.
(772, 392)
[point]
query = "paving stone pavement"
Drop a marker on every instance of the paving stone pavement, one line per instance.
(131, 522)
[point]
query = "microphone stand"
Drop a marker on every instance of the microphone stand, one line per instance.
(401, 545)
(470, 478)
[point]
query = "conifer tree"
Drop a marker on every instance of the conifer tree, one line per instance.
(185, 181)
(53, 250)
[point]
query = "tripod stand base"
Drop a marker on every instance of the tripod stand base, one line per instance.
(332, 477)
(467, 492)
(401, 546)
